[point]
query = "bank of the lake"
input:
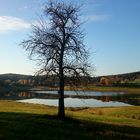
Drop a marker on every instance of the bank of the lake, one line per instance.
(135, 90)
(31, 121)
(107, 89)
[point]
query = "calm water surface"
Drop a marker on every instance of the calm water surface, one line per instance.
(75, 99)
(75, 102)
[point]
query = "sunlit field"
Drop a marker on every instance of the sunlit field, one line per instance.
(30, 121)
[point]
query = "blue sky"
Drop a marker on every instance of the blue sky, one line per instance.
(112, 34)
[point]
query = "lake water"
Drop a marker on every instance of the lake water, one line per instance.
(83, 93)
(75, 102)
(75, 99)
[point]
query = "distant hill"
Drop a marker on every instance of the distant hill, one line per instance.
(129, 79)
(132, 75)
(119, 79)
(14, 77)
(129, 76)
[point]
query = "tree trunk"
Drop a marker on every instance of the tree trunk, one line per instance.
(61, 109)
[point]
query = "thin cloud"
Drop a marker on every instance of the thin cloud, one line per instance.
(9, 23)
(25, 7)
(96, 18)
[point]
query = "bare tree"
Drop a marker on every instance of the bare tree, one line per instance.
(58, 47)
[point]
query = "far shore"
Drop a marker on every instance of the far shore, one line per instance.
(95, 88)
(135, 90)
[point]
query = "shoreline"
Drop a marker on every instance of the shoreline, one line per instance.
(107, 89)
(93, 88)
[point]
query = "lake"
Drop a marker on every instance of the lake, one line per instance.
(75, 99)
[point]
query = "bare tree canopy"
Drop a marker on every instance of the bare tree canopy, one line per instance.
(58, 46)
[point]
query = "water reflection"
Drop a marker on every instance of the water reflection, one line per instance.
(25, 95)
(128, 99)
(75, 102)
(102, 97)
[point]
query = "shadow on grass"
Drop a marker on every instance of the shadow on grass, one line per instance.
(15, 126)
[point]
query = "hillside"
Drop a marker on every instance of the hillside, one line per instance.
(119, 79)
(130, 76)
(14, 77)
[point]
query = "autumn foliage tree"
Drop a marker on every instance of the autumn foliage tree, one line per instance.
(56, 42)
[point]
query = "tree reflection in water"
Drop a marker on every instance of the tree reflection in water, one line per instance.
(132, 99)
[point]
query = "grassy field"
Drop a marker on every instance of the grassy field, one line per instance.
(107, 89)
(27, 121)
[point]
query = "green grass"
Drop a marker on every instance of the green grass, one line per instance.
(107, 89)
(135, 90)
(20, 121)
